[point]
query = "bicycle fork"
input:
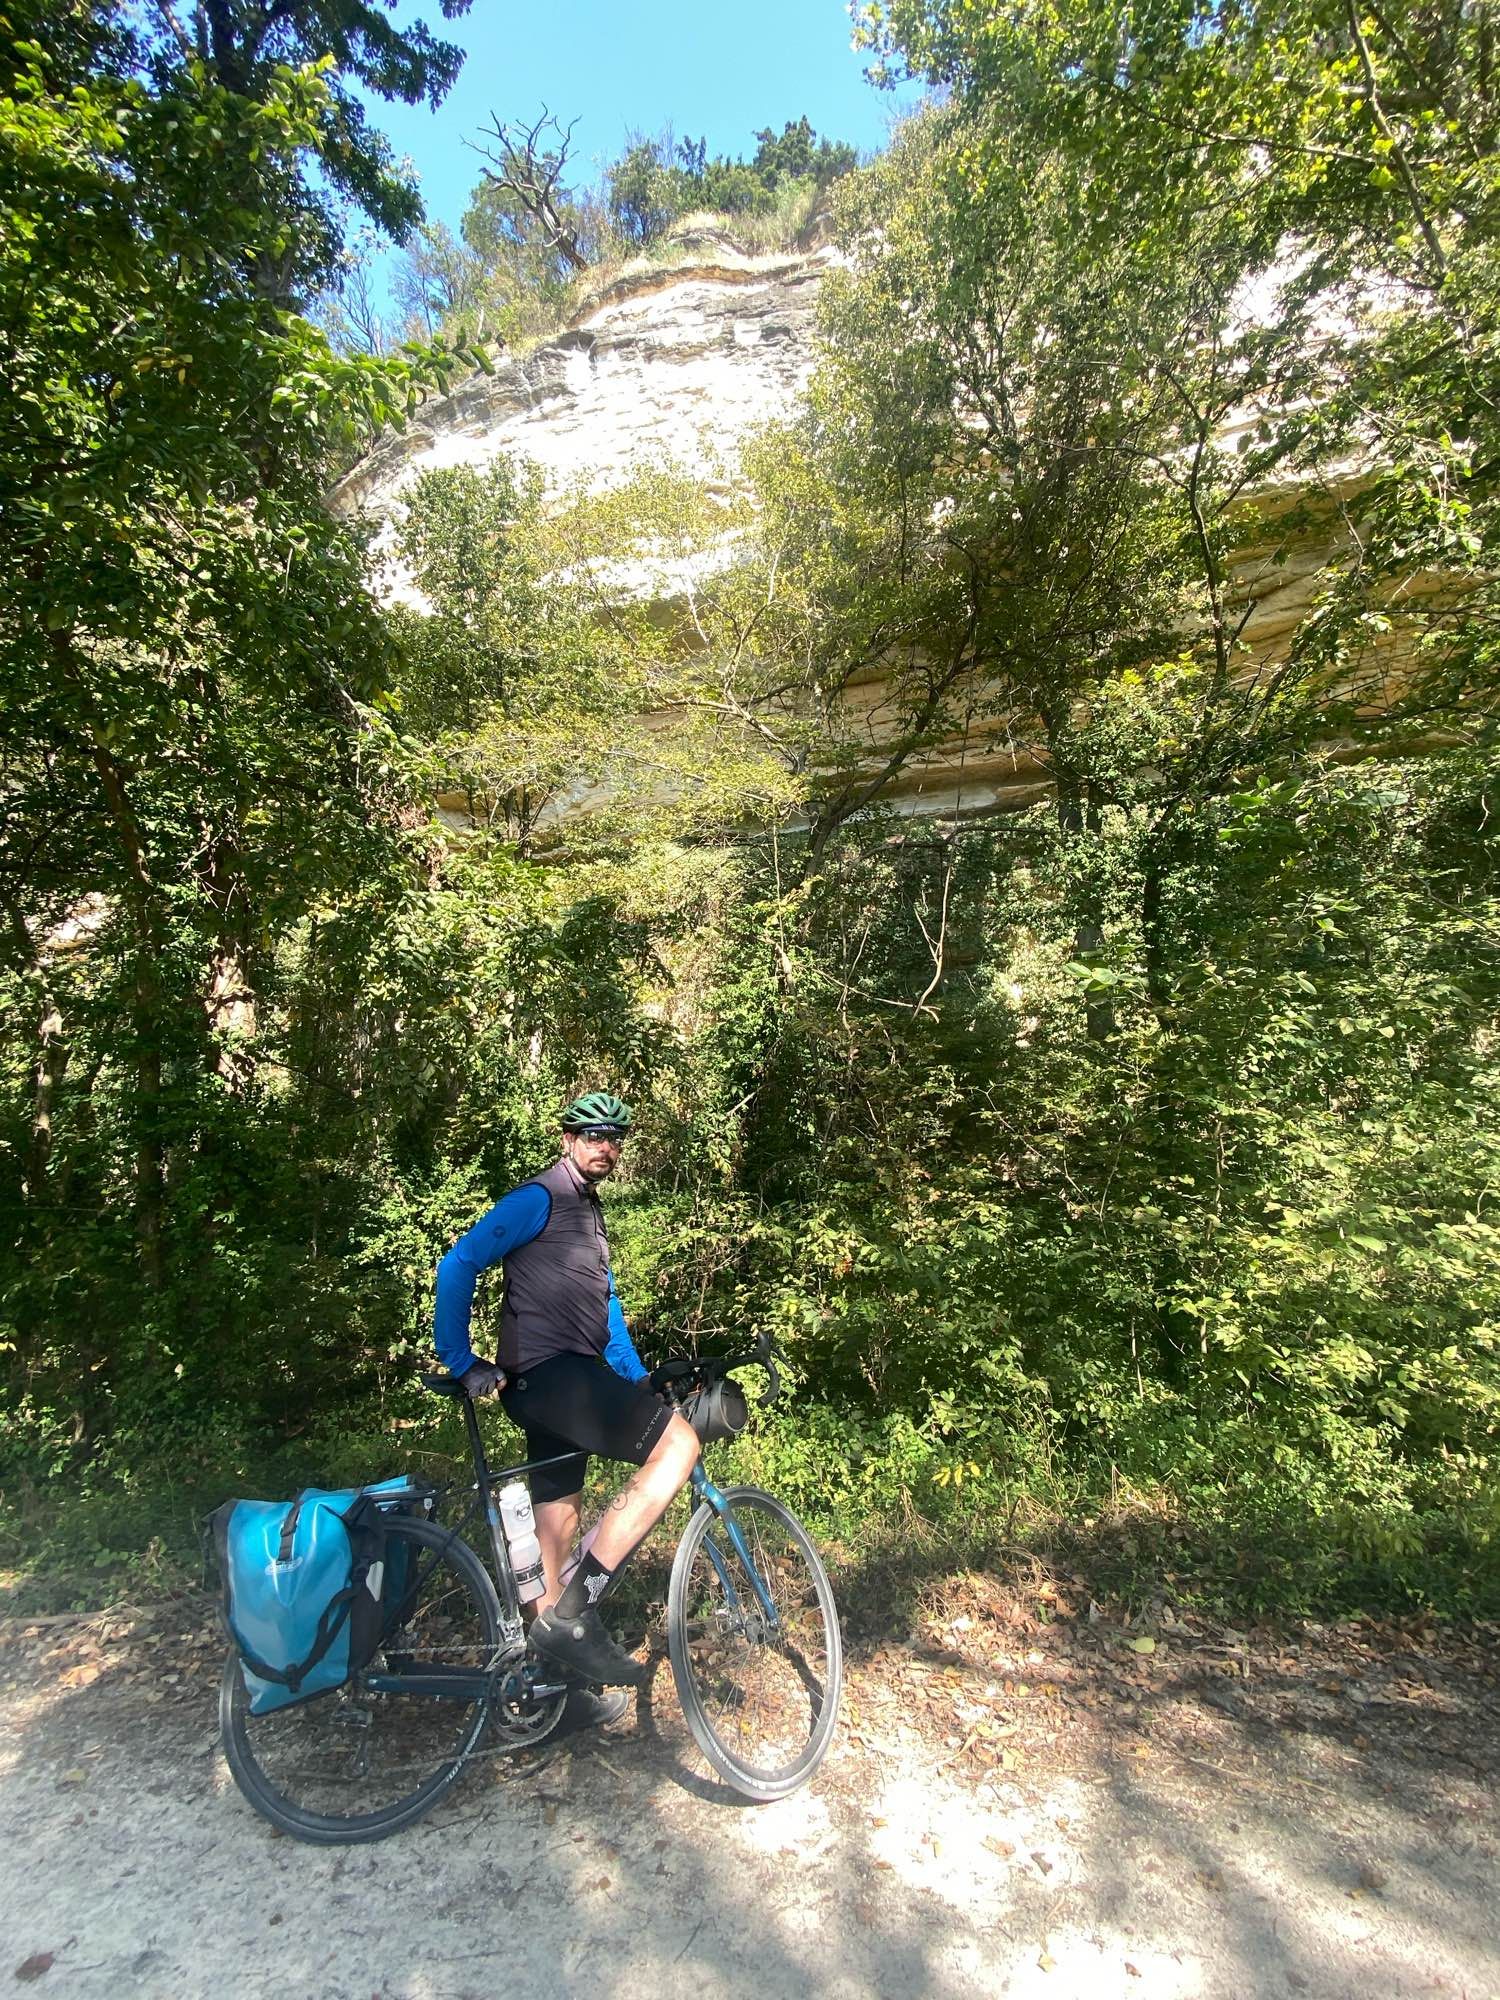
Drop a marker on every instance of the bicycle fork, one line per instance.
(710, 1496)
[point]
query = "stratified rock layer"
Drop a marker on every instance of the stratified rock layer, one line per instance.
(673, 365)
(680, 365)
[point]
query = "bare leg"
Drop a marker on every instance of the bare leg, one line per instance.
(635, 1511)
(556, 1530)
(570, 1633)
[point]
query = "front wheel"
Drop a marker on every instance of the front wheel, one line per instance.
(759, 1671)
(359, 1762)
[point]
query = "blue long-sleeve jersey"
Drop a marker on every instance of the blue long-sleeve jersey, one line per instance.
(517, 1219)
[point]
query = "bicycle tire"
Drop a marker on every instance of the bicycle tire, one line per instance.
(762, 1707)
(307, 1768)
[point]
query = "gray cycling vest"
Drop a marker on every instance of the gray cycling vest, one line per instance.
(557, 1285)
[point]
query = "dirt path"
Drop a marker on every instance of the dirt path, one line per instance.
(1013, 1807)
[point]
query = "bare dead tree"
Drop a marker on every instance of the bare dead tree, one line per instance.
(531, 171)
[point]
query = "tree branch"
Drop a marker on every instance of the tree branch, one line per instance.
(533, 176)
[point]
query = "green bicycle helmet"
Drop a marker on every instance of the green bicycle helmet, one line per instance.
(596, 1107)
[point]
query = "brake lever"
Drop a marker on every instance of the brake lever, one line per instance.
(773, 1383)
(766, 1356)
(674, 1371)
(680, 1377)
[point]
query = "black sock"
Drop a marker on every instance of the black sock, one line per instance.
(586, 1586)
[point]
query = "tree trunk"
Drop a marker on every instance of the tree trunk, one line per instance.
(48, 1063)
(1078, 817)
(47, 1076)
(1161, 852)
(229, 1002)
(146, 1019)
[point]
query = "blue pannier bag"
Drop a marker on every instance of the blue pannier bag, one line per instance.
(309, 1586)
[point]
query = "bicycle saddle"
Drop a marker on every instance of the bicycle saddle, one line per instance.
(443, 1385)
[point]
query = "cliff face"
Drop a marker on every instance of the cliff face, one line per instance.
(681, 364)
(677, 364)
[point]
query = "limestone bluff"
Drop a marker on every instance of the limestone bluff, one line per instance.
(679, 363)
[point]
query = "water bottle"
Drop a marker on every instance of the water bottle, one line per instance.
(520, 1536)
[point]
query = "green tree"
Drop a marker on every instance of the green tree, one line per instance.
(244, 46)
(1365, 138)
(796, 153)
(541, 670)
(1008, 491)
(656, 180)
(188, 647)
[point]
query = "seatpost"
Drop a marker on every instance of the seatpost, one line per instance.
(476, 1446)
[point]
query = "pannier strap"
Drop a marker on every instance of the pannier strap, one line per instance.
(334, 1614)
(289, 1531)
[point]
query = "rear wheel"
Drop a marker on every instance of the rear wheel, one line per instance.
(356, 1764)
(759, 1679)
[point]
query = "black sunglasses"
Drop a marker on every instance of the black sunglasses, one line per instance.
(599, 1132)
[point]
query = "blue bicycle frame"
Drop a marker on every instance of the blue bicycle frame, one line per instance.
(710, 1495)
(466, 1684)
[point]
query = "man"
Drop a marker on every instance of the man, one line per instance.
(569, 1375)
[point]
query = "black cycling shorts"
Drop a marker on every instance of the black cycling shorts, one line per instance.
(573, 1403)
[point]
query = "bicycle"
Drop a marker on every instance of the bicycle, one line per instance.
(752, 1635)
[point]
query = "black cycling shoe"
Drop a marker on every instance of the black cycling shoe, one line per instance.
(583, 1648)
(593, 1707)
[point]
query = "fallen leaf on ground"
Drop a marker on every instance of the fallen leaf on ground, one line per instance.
(1144, 1644)
(33, 1967)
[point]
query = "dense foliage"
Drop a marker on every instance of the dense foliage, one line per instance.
(534, 229)
(188, 654)
(1134, 1147)
(657, 180)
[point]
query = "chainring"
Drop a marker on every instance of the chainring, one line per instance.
(517, 1718)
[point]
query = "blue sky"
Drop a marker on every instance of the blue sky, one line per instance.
(709, 69)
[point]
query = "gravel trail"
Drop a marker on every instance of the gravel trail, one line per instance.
(954, 1845)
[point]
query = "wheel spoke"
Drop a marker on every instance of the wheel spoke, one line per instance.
(759, 1692)
(359, 1761)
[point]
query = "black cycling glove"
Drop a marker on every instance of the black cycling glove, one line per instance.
(483, 1379)
(663, 1380)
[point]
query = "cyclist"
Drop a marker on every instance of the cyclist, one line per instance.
(568, 1374)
